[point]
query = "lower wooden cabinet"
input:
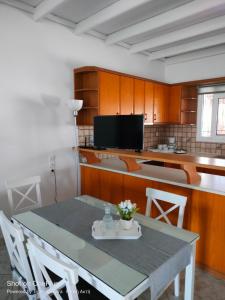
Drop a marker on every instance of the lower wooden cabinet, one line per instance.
(102, 184)
(111, 186)
(204, 212)
(90, 182)
(134, 189)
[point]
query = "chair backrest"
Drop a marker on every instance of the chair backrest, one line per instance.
(179, 203)
(42, 262)
(14, 240)
(15, 186)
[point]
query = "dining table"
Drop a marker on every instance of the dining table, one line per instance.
(119, 269)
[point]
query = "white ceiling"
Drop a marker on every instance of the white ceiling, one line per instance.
(159, 29)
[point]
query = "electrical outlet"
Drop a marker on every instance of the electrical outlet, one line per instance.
(52, 162)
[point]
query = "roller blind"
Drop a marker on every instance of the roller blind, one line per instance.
(211, 89)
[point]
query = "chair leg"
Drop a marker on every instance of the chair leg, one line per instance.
(177, 286)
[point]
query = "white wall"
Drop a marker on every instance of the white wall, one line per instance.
(36, 63)
(209, 67)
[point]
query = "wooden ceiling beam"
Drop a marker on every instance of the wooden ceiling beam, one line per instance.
(29, 9)
(45, 8)
(198, 54)
(116, 9)
(174, 15)
(188, 47)
(179, 35)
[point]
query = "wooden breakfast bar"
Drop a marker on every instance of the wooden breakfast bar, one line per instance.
(124, 175)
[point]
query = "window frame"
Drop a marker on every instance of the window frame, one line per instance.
(214, 138)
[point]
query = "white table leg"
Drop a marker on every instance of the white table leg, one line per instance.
(190, 276)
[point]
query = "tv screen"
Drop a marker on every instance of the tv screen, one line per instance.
(122, 131)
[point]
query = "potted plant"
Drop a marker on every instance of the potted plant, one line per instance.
(126, 210)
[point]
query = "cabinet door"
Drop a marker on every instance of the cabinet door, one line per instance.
(161, 103)
(149, 101)
(175, 104)
(135, 190)
(126, 95)
(109, 96)
(139, 96)
(90, 179)
(111, 186)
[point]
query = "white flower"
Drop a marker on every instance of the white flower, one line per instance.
(122, 205)
(129, 206)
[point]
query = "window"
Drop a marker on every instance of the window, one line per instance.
(211, 117)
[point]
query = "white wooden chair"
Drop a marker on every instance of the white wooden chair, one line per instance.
(21, 271)
(179, 202)
(15, 186)
(44, 266)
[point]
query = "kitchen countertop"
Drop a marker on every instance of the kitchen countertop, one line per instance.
(209, 183)
(181, 159)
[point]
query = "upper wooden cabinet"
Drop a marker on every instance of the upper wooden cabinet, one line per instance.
(87, 89)
(161, 103)
(189, 102)
(126, 95)
(149, 102)
(183, 104)
(109, 93)
(139, 96)
(175, 104)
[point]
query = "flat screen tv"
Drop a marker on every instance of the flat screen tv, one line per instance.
(122, 131)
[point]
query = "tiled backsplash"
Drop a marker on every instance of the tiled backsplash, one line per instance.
(158, 134)
(186, 139)
(85, 133)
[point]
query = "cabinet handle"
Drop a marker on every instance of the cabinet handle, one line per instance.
(117, 113)
(154, 117)
(146, 116)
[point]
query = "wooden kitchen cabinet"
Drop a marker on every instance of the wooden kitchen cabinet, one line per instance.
(86, 88)
(126, 95)
(139, 96)
(109, 93)
(135, 190)
(102, 184)
(90, 179)
(189, 98)
(204, 212)
(161, 103)
(111, 187)
(114, 187)
(175, 104)
(183, 104)
(149, 102)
